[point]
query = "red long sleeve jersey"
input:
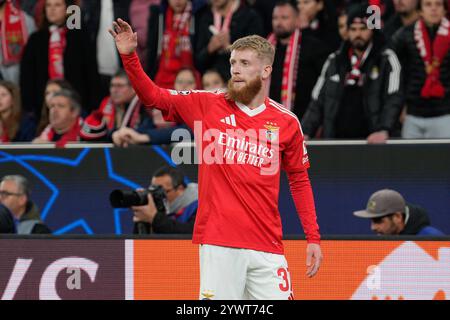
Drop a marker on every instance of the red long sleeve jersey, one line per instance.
(240, 151)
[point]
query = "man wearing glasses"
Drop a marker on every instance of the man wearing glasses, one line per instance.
(182, 200)
(15, 195)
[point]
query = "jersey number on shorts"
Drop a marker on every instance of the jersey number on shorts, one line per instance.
(284, 273)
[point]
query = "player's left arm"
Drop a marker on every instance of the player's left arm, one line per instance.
(295, 162)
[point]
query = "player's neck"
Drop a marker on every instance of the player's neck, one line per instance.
(258, 100)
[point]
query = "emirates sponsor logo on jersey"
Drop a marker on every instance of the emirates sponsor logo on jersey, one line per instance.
(236, 146)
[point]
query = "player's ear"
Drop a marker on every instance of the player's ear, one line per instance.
(267, 71)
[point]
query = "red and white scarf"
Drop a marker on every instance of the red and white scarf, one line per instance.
(73, 135)
(432, 54)
(290, 68)
(56, 48)
(354, 77)
(13, 33)
(224, 26)
(177, 49)
(103, 120)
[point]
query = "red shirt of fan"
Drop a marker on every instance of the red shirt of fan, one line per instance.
(240, 152)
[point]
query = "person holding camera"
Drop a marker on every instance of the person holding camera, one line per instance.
(182, 203)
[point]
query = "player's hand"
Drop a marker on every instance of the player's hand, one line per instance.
(313, 259)
(125, 38)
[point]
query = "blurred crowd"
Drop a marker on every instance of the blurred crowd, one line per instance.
(349, 69)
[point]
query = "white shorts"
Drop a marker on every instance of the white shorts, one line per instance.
(242, 274)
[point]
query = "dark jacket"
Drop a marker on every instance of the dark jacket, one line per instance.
(27, 129)
(392, 26)
(265, 10)
(91, 11)
(157, 19)
(311, 59)
(169, 224)
(324, 27)
(161, 135)
(244, 22)
(414, 76)
(80, 69)
(418, 222)
(30, 222)
(6, 220)
(382, 97)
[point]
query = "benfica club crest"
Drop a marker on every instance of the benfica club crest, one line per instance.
(271, 131)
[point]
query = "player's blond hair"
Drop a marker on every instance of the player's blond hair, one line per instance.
(263, 48)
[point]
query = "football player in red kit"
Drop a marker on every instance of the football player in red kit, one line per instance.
(243, 138)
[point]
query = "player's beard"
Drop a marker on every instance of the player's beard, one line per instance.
(247, 93)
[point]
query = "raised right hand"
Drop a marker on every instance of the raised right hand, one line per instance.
(125, 38)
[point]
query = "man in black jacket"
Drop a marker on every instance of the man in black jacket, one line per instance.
(97, 17)
(182, 205)
(15, 195)
(295, 69)
(424, 52)
(358, 95)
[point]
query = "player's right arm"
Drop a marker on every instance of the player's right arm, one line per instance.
(174, 106)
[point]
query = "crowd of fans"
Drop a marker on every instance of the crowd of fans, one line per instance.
(343, 78)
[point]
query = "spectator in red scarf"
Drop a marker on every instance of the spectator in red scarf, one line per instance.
(57, 52)
(15, 126)
(424, 52)
(220, 24)
(121, 109)
(171, 47)
(298, 60)
(161, 132)
(15, 28)
(65, 121)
